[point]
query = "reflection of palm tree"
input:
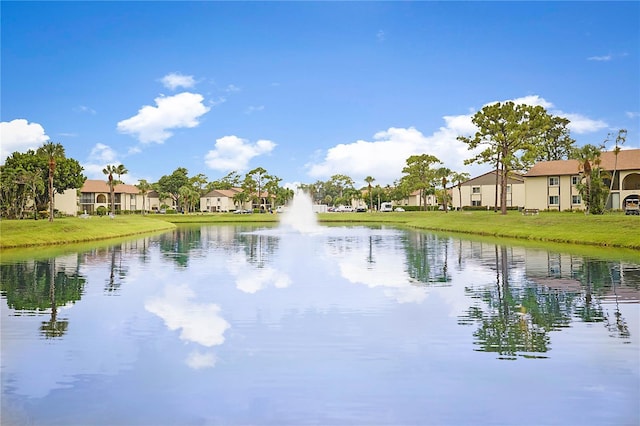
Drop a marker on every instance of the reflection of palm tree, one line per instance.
(53, 327)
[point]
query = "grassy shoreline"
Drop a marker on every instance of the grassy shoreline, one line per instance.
(614, 230)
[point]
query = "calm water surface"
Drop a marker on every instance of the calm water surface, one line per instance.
(344, 325)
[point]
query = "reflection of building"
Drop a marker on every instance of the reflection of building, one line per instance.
(552, 184)
(561, 271)
(481, 191)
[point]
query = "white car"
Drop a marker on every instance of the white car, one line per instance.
(399, 209)
(344, 209)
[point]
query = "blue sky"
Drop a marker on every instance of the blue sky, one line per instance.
(304, 89)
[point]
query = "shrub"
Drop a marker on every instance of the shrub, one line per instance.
(101, 211)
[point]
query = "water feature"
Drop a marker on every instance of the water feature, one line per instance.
(307, 324)
(300, 216)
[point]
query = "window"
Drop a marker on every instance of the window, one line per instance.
(508, 189)
(475, 189)
(476, 203)
(554, 200)
(554, 181)
(575, 180)
(86, 198)
(575, 199)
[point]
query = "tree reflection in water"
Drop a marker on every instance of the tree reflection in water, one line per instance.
(40, 286)
(515, 320)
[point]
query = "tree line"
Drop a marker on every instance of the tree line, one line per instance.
(511, 138)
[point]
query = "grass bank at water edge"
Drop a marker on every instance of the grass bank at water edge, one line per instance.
(27, 233)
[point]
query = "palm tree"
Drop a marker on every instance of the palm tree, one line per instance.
(240, 198)
(459, 178)
(53, 152)
(370, 179)
(585, 156)
(443, 174)
(121, 170)
(109, 170)
(620, 140)
(144, 187)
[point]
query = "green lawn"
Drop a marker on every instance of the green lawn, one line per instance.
(611, 230)
(27, 233)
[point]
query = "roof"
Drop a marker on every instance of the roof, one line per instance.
(628, 159)
(229, 193)
(92, 185)
(489, 178)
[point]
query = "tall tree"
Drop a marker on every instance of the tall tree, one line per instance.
(620, 140)
(254, 184)
(459, 179)
(169, 185)
(553, 143)
(420, 176)
(231, 180)
(53, 152)
(443, 174)
(109, 171)
(121, 170)
(591, 187)
(369, 180)
(144, 187)
(506, 131)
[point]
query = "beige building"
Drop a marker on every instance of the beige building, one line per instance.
(481, 191)
(96, 193)
(551, 185)
(221, 200)
(67, 202)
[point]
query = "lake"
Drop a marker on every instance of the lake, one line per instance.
(341, 325)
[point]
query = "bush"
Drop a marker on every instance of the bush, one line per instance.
(170, 211)
(101, 211)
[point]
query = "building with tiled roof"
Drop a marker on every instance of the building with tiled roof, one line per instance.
(480, 191)
(551, 185)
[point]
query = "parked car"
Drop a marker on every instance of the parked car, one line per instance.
(632, 207)
(361, 210)
(343, 209)
(386, 207)
(399, 209)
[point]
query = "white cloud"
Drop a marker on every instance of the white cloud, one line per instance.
(198, 360)
(103, 153)
(199, 322)
(234, 153)
(85, 109)
(20, 135)
(152, 124)
(175, 80)
(385, 156)
(581, 124)
(602, 58)
(632, 114)
(232, 88)
(253, 109)
(99, 157)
